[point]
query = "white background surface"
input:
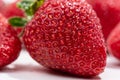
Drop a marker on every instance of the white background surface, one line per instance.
(25, 68)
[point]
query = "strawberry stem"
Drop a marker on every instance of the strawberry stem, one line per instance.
(29, 7)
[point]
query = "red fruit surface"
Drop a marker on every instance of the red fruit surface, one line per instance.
(109, 13)
(10, 45)
(66, 35)
(1, 4)
(113, 42)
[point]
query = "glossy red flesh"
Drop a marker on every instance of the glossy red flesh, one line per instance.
(66, 35)
(10, 45)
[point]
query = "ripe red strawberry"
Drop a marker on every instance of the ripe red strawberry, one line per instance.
(113, 42)
(109, 13)
(66, 35)
(10, 45)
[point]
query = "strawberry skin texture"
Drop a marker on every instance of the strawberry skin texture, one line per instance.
(10, 44)
(113, 42)
(66, 35)
(109, 13)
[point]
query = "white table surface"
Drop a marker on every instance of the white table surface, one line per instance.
(25, 68)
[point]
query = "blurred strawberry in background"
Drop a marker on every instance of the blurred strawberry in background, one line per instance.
(109, 13)
(1, 4)
(10, 10)
(113, 42)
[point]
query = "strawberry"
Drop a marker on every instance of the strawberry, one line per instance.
(66, 35)
(113, 42)
(10, 45)
(109, 13)
(11, 10)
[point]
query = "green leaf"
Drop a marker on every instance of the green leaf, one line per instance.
(30, 6)
(26, 6)
(39, 3)
(17, 21)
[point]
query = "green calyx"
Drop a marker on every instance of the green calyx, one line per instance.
(29, 7)
(17, 21)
